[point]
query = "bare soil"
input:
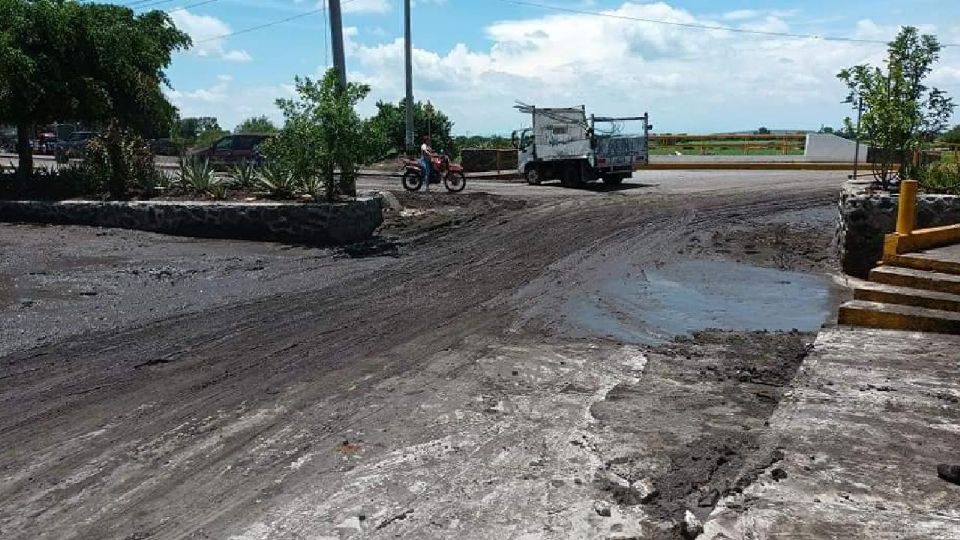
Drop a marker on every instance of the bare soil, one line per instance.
(154, 387)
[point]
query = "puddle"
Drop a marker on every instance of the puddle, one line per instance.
(653, 306)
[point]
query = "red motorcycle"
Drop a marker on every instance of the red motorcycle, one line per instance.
(451, 174)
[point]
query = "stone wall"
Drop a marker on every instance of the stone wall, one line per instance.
(314, 224)
(867, 215)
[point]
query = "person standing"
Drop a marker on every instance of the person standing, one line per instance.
(426, 161)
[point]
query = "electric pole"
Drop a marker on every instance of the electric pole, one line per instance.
(336, 33)
(408, 61)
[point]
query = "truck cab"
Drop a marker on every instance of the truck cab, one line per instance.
(564, 144)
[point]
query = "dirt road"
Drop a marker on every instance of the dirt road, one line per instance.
(474, 374)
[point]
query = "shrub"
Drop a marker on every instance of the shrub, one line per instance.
(244, 176)
(77, 180)
(123, 160)
(277, 180)
(197, 177)
(941, 177)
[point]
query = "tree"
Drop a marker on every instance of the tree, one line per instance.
(899, 111)
(391, 122)
(322, 133)
(952, 136)
(763, 131)
(256, 124)
(209, 136)
(95, 63)
(189, 128)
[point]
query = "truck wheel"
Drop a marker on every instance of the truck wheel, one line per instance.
(613, 180)
(533, 176)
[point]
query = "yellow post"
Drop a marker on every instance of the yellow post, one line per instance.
(907, 208)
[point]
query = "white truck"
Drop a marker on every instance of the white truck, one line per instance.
(564, 144)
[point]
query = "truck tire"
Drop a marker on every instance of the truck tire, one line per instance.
(533, 176)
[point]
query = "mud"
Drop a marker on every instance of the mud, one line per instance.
(233, 390)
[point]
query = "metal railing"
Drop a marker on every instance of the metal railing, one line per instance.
(735, 145)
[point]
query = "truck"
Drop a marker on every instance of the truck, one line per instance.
(564, 144)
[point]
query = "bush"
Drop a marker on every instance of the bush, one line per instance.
(277, 180)
(73, 181)
(941, 177)
(322, 133)
(197, 178)
(123, 160)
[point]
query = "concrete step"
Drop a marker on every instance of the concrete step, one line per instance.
(916, 279)
(897, 317)
(929, 262)
(891, 294)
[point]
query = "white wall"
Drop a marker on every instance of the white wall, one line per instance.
(830, 148)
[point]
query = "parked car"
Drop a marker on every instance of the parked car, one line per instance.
(44, 144)
(233, 150)
(74, 146)
(165, 147)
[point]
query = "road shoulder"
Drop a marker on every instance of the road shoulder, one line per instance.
(871, 415)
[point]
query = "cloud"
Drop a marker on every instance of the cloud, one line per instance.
(230, 103)
(689, 79)
(205, 30)
(367, 6)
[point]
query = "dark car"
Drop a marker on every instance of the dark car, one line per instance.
(233, 150)
(165, 147)
(74, 146)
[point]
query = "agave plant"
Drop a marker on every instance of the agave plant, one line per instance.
(312, 185)
(198, 177)
(245, 175)
(278, 181)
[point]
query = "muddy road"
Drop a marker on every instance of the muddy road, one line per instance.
(487, 368)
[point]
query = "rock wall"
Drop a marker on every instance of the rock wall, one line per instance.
(867, 215)
(314, 224)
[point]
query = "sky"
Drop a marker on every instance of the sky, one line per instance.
(473, 59)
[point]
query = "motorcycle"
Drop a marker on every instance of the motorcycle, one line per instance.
(451, 174)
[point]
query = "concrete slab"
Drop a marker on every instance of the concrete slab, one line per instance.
(871, 415)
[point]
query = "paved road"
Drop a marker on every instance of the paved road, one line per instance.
(207, 389)
(645, 183)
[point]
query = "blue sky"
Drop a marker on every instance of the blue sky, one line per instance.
(473, 58)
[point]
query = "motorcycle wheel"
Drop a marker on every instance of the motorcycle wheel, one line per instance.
(412, 181)
(455, 182)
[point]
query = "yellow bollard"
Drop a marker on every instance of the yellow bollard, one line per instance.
(907, 208)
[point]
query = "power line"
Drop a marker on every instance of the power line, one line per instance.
(702, 26)
(205, 2)
(269, 24)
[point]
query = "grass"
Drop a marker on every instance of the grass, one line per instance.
(728, 147)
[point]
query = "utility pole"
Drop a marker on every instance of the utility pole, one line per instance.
(856, 150)
(336, 33)
(408, 61)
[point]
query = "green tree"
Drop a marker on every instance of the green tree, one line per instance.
(188, 129)
(209, 136)
(256, 124)
(899, 111)
(95, 63)
(762, 131)
(952, 136)
(391, 122)
(321, 134)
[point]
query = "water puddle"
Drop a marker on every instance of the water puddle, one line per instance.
(653, 306)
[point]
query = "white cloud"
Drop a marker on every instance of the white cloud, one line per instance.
(205, 31)
(689, 79)
(366, 6)
(230, 103)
